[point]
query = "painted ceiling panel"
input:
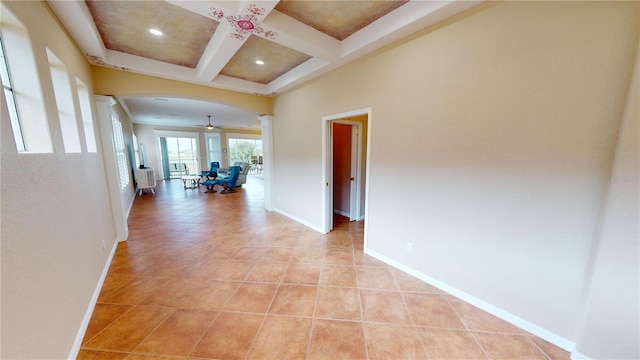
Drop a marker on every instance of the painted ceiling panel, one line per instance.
(338, 19)
(216, 43)
(124, 26)
(277, 61)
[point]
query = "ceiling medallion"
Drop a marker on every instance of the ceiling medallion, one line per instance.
(247, 24)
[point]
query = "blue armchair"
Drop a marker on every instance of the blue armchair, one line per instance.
(213, 171)
(228, 182)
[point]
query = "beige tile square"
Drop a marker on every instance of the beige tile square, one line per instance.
(338, 276)
(229, 337)
(339, 257)
(431, 310)
(302, 274)
(338, 303)
(103, 316)
(407, 282)
(375, 278)
(337, 340)
(294, 300)
(476, 319)
(384, 306)
(137, 324)
(281, 338)
(508, 346)
(179, 333)
(393, 342)
(252, 297)
(267, 272)
(450, 344)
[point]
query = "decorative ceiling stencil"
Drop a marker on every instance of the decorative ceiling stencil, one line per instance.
(124, 26)
(216, 42)
(98, 60)
(245, 24)
(277, 58)
(338, 19)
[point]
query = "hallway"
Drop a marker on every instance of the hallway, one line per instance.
(213, 276)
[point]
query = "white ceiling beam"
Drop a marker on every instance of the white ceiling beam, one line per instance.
(300, 37)
(78, 21)
(401, 22)
(296, 75)
(231, 83)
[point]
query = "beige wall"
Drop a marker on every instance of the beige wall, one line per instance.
(122, 83)
(503, 124)
(612, 308)
(55, 215)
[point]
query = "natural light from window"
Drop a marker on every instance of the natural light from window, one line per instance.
(87, 116)
(121, 152)
(10, 99)
(30, 117)
(65, 104)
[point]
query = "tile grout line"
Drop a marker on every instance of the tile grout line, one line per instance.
(413, 322)
(264, 318)
(464, 323)
(364, 331)
(206, 330)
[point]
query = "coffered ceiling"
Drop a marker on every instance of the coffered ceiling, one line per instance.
(219, 43)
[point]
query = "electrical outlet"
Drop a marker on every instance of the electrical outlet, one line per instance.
(409, 247)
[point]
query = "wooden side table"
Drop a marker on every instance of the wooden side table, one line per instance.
(194, 181)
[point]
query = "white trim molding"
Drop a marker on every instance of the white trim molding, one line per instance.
(75, 349)
(491, 309)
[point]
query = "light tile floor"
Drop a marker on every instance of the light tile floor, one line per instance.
(215, 276)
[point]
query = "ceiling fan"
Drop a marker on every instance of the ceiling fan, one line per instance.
(209, 126)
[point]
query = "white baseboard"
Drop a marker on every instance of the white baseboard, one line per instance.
(346, 214)
(339, 212)
(294, 218)
(75, 349)
(500, 313)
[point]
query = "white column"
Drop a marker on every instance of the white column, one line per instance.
(267, 158)
(103, 107)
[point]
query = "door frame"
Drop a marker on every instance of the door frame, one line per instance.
(327, 161)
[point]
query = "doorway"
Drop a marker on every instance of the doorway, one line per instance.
(345, 158)
(179, 153)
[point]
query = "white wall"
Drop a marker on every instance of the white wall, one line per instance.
(503, 125)
(612, 315)
(55, 216)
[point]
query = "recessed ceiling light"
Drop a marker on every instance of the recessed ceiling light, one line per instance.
(259, 62)
(155, 32)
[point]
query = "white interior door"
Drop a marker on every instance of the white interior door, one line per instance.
(354, 199)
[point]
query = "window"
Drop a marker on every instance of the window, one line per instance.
(19, 73)
(214, 151)
(244, 147)
(11, 100)
(121, 151)
(181, 156)
(87, 116)
(65, 104)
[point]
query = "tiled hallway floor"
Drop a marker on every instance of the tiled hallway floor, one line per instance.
(213, 276)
